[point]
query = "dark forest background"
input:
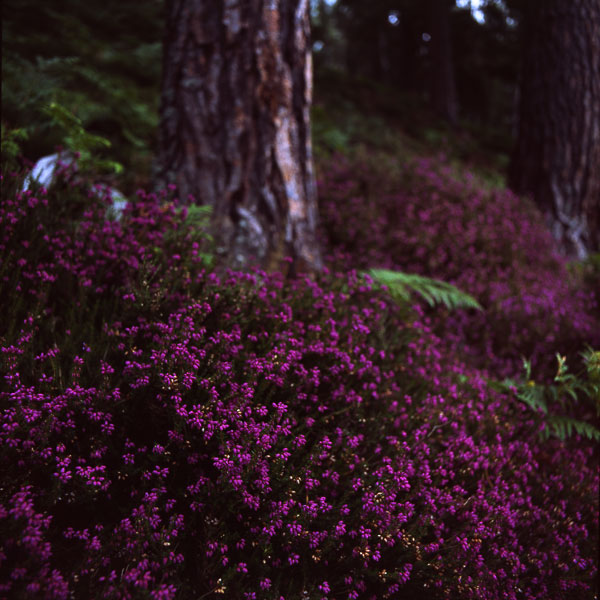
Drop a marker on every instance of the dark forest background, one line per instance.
(374, 69)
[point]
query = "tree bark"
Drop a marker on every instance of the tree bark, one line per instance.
(557, 156)
(235, 125)
(443, 86)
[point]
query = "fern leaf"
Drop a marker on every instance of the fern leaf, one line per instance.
(433, 291)
(563, 428)
(533, 396)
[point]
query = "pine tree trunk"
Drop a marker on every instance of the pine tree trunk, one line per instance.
(557, 157)
(442, 82)
(235, 125)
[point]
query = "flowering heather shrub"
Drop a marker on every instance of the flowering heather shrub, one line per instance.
(488, 243)
(168, 432)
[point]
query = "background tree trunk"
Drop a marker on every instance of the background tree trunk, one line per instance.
(442, 83)
(235, 124)
(557, 157)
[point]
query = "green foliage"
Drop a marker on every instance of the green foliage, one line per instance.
(80, 141)
(348, 121)
(593, 261)
(194, 230)
(11, 146)
(198, 215)
(587, 271)
(566, 391)
(104, 71)
(592, 362)
(433, 291)
(197, 222)
(329, 136)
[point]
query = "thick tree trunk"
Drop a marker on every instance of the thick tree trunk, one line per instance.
(442, 81)
(235, 125)
(557, 157)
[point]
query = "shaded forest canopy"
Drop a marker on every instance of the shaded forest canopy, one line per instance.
(108, 73)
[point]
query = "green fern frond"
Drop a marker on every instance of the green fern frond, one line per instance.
(567, 390)
(533, 395)
(433, 291)
(564, 427)
(77, 139)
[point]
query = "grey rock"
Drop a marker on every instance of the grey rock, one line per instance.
(46, 168)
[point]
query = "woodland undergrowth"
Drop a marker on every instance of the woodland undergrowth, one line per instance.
(174, 430)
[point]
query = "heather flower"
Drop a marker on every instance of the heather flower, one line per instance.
(169, 430)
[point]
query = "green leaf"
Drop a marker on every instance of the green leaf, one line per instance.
(563, 427)
(433, 291)
(567, 390)
(78, 140)
(10, 142)
(198, 212)
(533, 396)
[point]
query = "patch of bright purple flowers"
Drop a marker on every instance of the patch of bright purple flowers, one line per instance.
(489, 243)
(170, 432)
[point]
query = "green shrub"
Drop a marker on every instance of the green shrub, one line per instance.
(568, 393)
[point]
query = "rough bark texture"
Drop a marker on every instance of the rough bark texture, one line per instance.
(442, 81)
(557, 158)
(235, 126)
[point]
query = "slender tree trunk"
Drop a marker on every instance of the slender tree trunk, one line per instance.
(235, 126)
(443, 86)
(557, 157)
